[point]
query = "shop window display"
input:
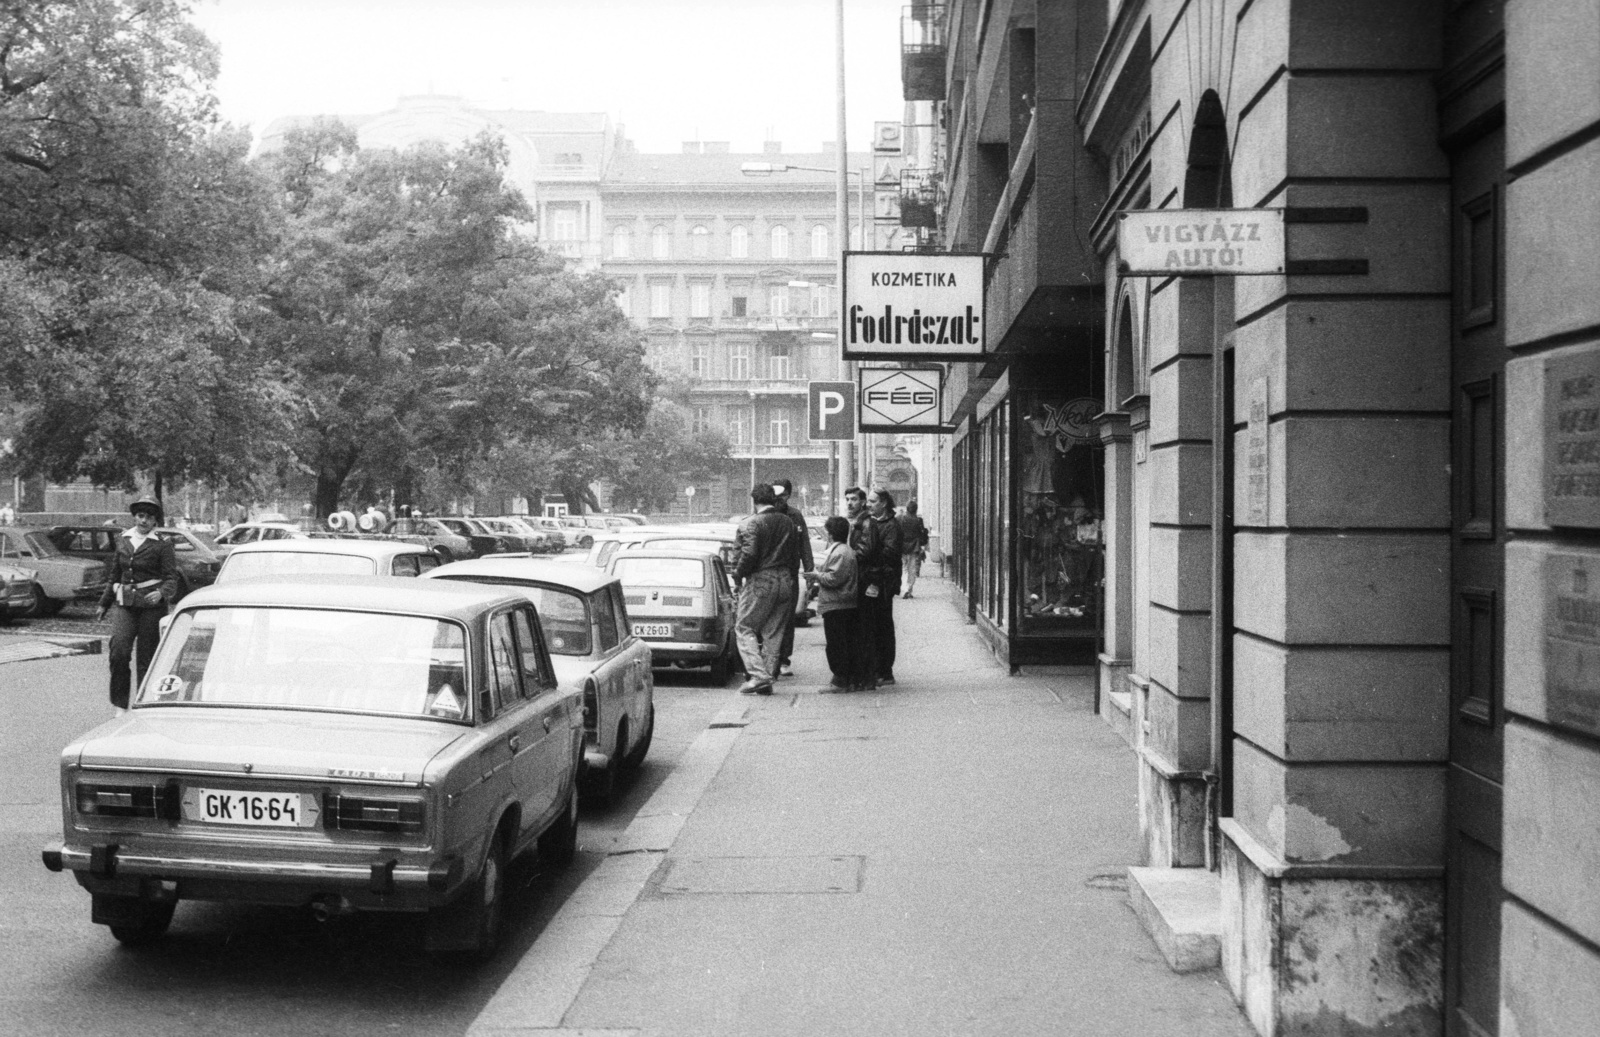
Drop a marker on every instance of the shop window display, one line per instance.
(1059, 514)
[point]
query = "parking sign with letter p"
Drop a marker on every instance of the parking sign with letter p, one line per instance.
(832, 410)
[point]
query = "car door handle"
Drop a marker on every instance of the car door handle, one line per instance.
(515, 741)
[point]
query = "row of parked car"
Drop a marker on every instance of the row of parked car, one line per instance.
(314, 731)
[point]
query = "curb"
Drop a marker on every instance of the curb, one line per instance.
(38, 646)
(535, 997)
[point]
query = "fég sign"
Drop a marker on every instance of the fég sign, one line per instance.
(913, 306)
(895, 399)
(1190, 242)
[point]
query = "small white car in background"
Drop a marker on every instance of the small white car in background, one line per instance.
(330, 557)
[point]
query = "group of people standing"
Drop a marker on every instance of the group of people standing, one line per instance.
(871, 555)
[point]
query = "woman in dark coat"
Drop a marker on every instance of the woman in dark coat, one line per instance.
(143, 578)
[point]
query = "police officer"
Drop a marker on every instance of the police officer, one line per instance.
(143, 578)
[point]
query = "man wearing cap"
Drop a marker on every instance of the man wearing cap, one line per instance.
(143, 578)
(782, 489)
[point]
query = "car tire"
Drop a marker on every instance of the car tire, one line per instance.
(722, 667)
(586, 542)
(601, 787)
(637, 752)
(558, 844)
(148, 924)
(486, 902)
(443, 554)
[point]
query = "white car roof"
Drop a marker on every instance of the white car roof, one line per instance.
(376, 549)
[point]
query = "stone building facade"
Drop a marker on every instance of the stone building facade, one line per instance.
(731, 278)
(1345, 619)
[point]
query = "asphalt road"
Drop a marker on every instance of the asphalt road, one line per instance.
(225, 969)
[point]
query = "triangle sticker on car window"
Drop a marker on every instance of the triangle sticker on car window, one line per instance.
(445, 704)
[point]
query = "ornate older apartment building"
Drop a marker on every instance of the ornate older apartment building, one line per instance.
(731, 276)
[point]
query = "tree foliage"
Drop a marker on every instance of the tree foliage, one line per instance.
(130, 230)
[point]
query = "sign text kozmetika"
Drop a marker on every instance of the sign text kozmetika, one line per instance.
(912, 306)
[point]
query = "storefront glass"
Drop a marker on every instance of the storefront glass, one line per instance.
(1060, 510)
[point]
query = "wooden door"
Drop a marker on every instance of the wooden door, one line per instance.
(1477, 714)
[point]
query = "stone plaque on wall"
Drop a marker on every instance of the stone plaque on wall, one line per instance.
(1572, 440)
(1572, 641)
(1257, 497)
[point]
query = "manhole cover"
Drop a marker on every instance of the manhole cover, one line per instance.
(840, 874)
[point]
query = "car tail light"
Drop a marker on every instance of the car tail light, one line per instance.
(633, 599)
(101, 800)
(678, 600)
(591, 709)
(371, 814)
(93, 575)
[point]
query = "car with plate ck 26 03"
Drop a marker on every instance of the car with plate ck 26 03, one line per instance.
(682, 603)
(345, 743)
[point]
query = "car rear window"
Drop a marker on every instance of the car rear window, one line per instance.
(659, 572)
(322, 659)
(563, 614)
(293, 563)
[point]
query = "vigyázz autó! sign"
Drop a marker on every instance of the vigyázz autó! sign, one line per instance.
(1191, 242)
(913, 306)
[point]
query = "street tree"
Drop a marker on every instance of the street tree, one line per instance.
(130, 229)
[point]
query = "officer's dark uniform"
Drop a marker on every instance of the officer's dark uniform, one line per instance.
(141, 582)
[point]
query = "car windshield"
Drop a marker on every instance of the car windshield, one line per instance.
(659, 572)
(237, 535)
(323, 659)
(563, 614)
(293, 563)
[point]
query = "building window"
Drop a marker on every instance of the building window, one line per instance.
(739, 427)
(819, 301)
(621, 243)
(700, 242)
(563, 220)
(780, 243)
(778, 428)
(700, 361)
(625, 300)
(701, 420)
(819, 242)
(778, 360)
(739, 361)
(661, 300)
(739, 243)
(700, 299)
(855, 239)
(660, 243)
(740, 306)
(778, 301)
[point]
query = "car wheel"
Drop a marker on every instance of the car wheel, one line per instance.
(637, 753)
(443, 554)
(722, 667)
(486, 901)
(146, 921)
(601, 788)
(558, 844)
(586, 542)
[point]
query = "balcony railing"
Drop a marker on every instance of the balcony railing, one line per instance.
(922, 52)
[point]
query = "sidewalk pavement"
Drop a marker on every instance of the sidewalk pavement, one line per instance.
(944, 856)
(32, 645)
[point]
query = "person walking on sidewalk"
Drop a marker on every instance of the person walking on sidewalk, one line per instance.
(768, 556)
(884, 571)
(837, 603)
(783, 489)
(913, 546)
(143, 578)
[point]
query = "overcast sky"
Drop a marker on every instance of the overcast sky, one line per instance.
(743, 71)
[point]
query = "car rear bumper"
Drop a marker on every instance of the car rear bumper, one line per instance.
(384, 882)
(665, 652)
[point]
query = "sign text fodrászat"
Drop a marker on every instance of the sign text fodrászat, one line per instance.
(913, 306)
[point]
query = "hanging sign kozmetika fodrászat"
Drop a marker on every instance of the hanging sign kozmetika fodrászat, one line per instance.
(913, 306)
(1200, 242)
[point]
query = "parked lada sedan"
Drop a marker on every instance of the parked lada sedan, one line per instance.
(344, 743)
(681, 602)
(595, 652)
(329, 556)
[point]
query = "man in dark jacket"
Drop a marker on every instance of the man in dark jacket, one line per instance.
(783, 489)
(885, 572)
(913, 545)
(768, 556)
(143, 578)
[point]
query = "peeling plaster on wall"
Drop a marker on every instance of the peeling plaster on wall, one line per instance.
(1314, 838)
